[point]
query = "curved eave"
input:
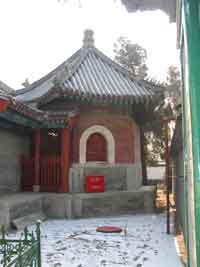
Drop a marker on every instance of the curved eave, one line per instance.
(94, 98)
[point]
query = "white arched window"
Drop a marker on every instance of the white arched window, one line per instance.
(110, 143)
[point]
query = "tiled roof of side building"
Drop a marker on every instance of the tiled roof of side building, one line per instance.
(91, 74)
(5, 89)
(26, 113)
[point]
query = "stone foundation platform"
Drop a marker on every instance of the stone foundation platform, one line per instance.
(118, 177)
(79, 205)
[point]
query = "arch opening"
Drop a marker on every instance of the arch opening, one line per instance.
(93, 138)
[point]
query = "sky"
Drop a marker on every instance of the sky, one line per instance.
(38, 35)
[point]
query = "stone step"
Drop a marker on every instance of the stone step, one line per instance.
(22, 222)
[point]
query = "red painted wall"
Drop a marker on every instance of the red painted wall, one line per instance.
(123, 128)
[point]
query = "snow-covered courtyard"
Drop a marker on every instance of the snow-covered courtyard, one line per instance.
(75, 243)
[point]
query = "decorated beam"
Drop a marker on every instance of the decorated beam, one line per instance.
(14, 117)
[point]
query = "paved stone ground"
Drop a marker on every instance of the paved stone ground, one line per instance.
(75, 243)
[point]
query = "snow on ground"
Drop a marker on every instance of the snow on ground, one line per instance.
(75, 243)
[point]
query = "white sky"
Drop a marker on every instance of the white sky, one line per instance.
(38, 35)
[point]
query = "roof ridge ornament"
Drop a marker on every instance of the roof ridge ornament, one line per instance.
(26, 83)
(61, 75)
(88, 40)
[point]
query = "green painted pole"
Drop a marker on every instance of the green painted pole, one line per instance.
(38, 239)
(191, 31)
(185, 144)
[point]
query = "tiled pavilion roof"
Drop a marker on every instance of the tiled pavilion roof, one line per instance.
(89, 74)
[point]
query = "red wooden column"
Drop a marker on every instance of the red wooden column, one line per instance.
(65, 160)
(36, 186)
(4, 104)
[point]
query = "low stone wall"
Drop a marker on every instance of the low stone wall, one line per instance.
(80, 205)
(118, 177)
(114, 203)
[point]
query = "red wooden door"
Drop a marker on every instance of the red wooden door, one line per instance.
(96, 148)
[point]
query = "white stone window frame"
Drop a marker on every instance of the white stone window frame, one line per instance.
(109, 140)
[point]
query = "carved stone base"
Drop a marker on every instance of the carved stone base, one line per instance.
(36, 188)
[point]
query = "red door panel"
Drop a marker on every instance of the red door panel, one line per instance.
(96, 148)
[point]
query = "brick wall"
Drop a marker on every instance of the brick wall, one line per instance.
(123, 128)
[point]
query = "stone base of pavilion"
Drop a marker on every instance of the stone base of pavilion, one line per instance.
(77, 205)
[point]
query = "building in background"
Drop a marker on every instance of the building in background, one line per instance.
(94, 114)
(78, 130)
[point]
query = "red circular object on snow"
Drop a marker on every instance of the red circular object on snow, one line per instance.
(109, 229)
